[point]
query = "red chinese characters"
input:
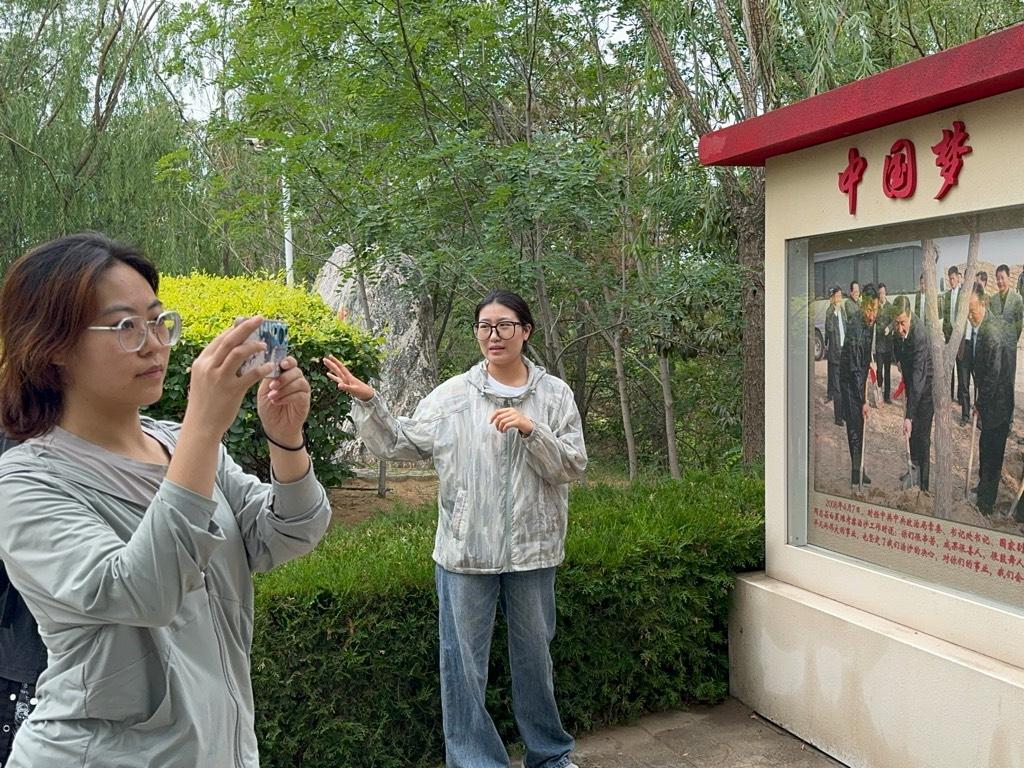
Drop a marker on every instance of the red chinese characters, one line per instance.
(949, 155)
(899, 170)
(851, 176)
(899, 174)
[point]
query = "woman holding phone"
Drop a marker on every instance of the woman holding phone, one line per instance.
(506, 440)
(133, 541)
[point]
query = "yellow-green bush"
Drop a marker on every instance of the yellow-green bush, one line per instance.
(345, 653)
(210, 303)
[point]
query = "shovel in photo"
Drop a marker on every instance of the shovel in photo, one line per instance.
(970, 455)
(910, 479)
(863, 437)
(1020, 492)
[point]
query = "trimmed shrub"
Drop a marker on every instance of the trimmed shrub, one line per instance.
(209, 303)
(345, 656)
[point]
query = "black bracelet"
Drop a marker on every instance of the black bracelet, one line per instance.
(272, 441)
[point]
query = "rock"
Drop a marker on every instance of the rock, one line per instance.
(381, 304)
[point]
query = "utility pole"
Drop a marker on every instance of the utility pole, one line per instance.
(286, 203)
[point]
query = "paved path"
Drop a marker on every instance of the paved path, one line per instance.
(728, 735)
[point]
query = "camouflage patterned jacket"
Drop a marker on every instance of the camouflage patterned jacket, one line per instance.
(503, 498)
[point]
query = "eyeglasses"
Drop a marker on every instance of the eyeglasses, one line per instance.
(506, 329)
(133, 330)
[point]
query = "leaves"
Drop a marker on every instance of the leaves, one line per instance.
(345, 652)
(208, 304)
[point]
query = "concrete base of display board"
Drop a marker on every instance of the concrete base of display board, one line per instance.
(868, 691)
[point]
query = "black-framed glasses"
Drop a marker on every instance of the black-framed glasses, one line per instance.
(506, 329)
(132, 330)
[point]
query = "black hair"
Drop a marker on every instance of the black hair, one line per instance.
(901, 306)
(954, 270)
(47, 301)
(868, 293)
(883, 285)
(513, 301)
(1003, 268)
(853, 283)
(979, 291)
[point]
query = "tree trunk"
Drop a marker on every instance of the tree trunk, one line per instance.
(943, 360)
(941, 484)
(579, 389)
(382, 478)
(750, 231)
(665, 369)
(546, 320)
(627, 416)
(745, 199)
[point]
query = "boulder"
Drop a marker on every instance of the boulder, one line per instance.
(385, 304)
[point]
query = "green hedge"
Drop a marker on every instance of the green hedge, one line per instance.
(345, 656)
(210, 303)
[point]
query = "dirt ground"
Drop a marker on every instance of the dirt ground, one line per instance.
(356, 499)
(886, 458)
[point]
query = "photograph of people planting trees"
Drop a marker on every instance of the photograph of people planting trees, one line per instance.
(383, 383)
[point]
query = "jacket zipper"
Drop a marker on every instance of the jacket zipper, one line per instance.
(227, 680)
(509, 437)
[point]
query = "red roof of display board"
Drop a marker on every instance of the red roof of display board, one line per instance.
(976, 70)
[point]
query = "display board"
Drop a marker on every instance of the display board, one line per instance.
(952, 519)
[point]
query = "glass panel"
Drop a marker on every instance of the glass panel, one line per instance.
(940, 503)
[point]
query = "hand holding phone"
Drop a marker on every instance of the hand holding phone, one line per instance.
(273, 333)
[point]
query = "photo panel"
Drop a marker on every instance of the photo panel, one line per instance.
(915, 409)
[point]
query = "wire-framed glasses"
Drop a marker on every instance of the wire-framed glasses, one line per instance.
(132, 330)
(506, 329)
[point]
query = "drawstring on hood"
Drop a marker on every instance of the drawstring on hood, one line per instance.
(478, 378)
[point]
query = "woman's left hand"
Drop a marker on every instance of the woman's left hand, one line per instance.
(505, 419)
(283, 404)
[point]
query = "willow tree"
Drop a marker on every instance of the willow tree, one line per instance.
(83, 128)
(728, 61)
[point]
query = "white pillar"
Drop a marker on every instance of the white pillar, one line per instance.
(289, 253)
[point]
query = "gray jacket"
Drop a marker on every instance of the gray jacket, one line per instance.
(146, 612)
(503, 498)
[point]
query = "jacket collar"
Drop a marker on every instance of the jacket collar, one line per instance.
(481, 382)
(35, 456)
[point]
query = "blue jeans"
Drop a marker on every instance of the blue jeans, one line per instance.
(466, 607)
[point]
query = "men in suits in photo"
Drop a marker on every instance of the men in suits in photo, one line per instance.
(884, 342)
(952, 300)
(994, 403)
(1007, 307)
(852, 302)
(835, 335)
(921, 300)
(853, 372)
(915, 358)
(965, 360)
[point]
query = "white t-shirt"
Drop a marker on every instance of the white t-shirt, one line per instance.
(503, 390)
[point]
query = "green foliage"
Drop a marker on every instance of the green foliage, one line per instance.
(208, 304)
(708, 390)
(345, 655)
(84, 127)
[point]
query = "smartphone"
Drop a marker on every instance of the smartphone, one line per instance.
(273, 333)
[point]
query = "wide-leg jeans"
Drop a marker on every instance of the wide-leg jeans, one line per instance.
(466, 608)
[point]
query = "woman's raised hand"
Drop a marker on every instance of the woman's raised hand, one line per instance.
(347, 383)
(283, 403)
(215, 388)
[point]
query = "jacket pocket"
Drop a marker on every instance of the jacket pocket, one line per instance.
(457, 522)
(134, 694)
